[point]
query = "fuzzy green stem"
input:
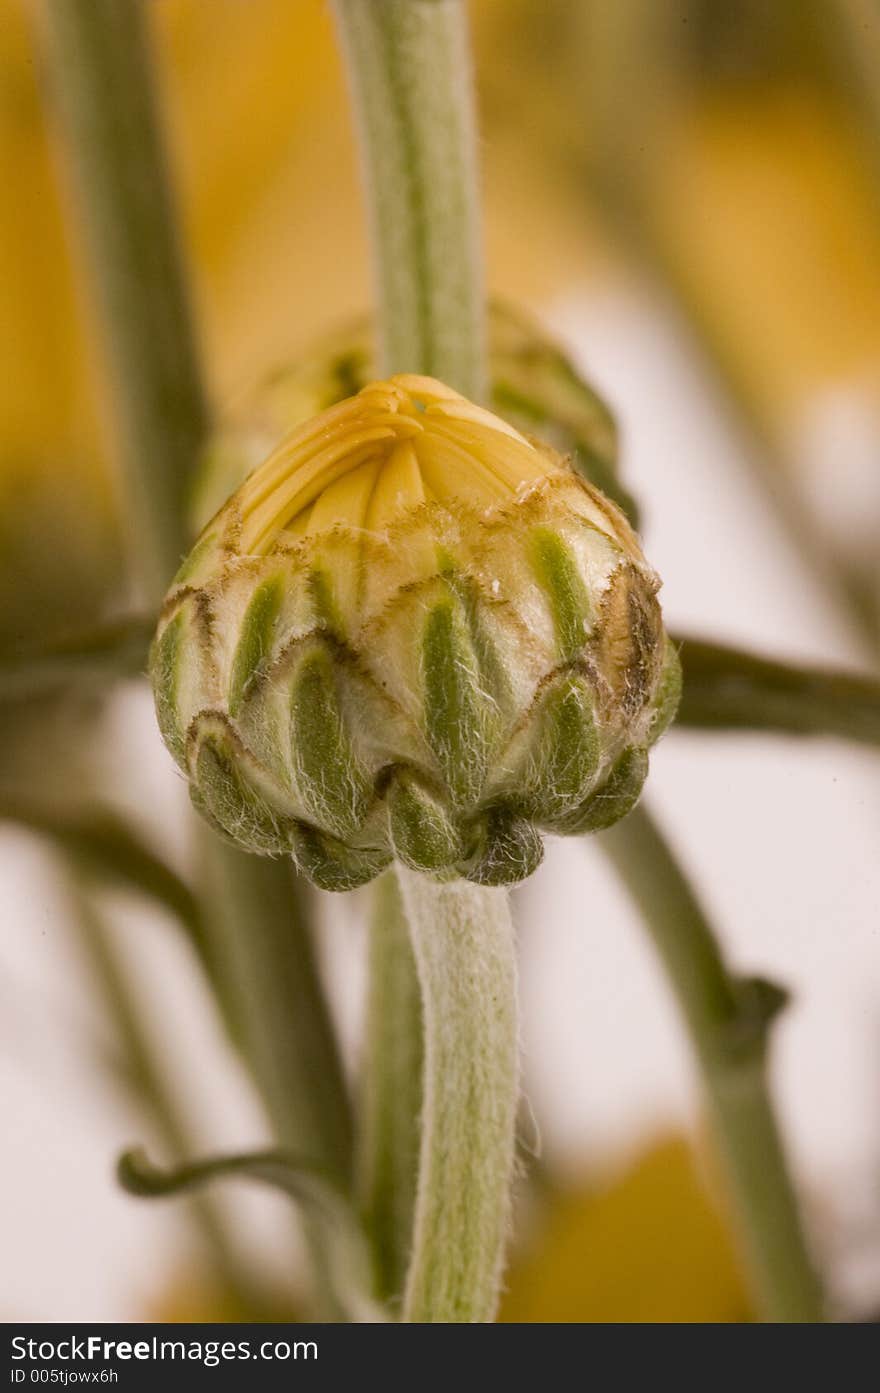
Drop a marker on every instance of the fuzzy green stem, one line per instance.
(392, 1094)
(410, 73)
(465, 953)
(409, 67)
(100, 74)
(728, 1020)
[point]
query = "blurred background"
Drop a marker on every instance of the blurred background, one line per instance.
(685, 193)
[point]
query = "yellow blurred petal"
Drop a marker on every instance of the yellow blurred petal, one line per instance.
(647, 1247)
(767, 209)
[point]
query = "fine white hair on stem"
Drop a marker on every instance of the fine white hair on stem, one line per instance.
(465, 952)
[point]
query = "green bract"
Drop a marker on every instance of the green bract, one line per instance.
(414, 633)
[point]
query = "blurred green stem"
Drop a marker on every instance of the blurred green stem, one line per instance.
(392, 1090)
(101, 80)
(728, 1019)
(142, 1077)
(465, 951)
(410, 74)
(266, 974)
(85, 659)
(265, 966)
(727, 688)
(100, 71)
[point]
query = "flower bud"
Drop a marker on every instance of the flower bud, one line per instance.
(413, 632)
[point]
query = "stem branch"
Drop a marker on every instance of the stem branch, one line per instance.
(726, 688)
(728, 1020)
(144, 1079)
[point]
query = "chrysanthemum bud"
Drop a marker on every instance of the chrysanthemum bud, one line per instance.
(413, 632)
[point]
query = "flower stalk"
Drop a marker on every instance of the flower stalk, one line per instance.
(410, 73)
(464, 946)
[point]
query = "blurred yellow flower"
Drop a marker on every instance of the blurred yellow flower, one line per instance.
(646, 1247)
(767, 208)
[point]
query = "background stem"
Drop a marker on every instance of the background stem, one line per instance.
(728, 1020)
(264, 964)
(726, 688)
(465, 951)
(99, 66)
(143, 1080)
(392, 1092)
(410, 73)
(102, 83)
